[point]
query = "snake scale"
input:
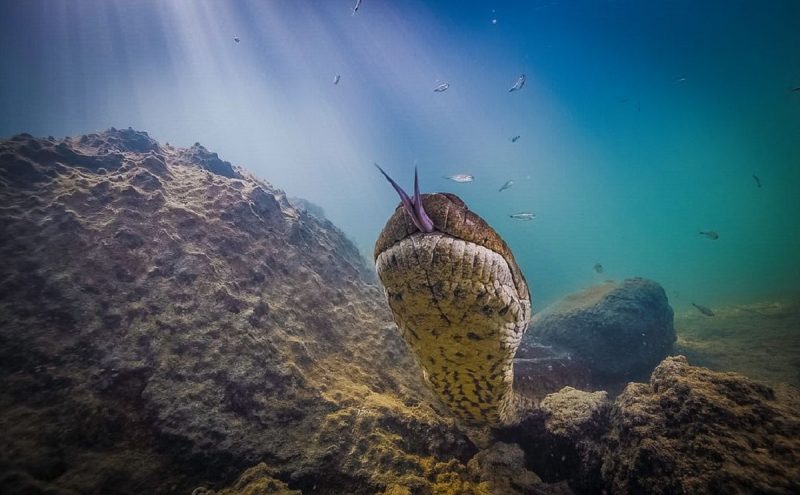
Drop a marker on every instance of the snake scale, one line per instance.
(460, 301)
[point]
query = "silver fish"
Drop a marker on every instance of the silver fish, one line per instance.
(523, 215)
(710, 234)
(706, 311)
(336, 79)
(236, 39)
(461, 178)
(515, 139)
(598, 268)
(441, 88)
(519, 84)
(508, 184)
(758, 181)
(355, 9)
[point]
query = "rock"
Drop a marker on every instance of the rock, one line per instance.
(307, 206)
(167, 322)
(693, 430)
(541, 369)
(619, 331)
(560, 437)
(258, 480)
(574, 414)
(207, 160)
(502, 466)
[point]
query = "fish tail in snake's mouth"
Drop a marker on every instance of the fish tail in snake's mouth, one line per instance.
(460, 302)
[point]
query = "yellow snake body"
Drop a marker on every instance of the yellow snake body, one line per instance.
(461, 304)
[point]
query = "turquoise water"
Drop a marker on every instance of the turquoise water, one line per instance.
(640, 124)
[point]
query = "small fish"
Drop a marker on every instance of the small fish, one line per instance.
(236, 39)
(680, 79)
(758, 181)
(703, 309)
(441, 88)
(519, 84)
(355, 9)
(598, 268)
(508, 184)
(525, 216)
(795, 90)
(461, 178)
(515, 139)
(710, 234)
(336, 79)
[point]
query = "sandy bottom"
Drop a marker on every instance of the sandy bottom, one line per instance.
(759, 340)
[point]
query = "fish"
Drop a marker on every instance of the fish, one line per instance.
(758, 181)
(706, 311)
(515, 139)
(461, 178)
(236, 39)
(795, 90)
(525, 216)
(441, 88)
(508, 184)
(355, 9)
(519, 84)
(336, 79)
(710, 234)
(598, 268)
(680, 79)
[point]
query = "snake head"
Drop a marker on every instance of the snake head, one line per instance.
(413, 206)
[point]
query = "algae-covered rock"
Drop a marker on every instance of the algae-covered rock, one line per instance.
(620, 331)
(502, 466)
(574, 414)
(560, 437)
(693, 430)
(258, 480)
(168, 321)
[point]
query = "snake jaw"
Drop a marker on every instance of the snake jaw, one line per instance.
(412, 206)
(461, 303)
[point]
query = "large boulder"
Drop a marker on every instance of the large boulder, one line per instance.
(167, 321)
(619, 331)
(541, 369)
(693, 430)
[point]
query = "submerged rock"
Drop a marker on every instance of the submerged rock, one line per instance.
(693, 430)
(308, 207)
(619, 331)
(561, 435)
(540, 370)
(167, 321)
(258, 480)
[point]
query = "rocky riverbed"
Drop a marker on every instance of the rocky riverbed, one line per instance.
(171, 324)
